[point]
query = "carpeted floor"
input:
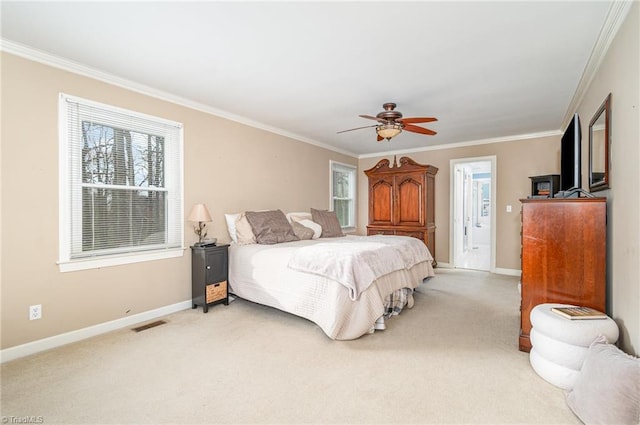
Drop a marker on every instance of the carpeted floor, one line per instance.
(453, 358)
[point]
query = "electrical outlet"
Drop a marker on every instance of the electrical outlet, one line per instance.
(508, 208)
(35, 312)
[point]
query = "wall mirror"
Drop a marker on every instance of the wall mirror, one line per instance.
(599, 142)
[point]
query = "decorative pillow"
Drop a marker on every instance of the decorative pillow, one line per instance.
(607, 390)
(244, 232)
(329, 222)
(297, 216)
(231, 225)
(317, 229)
(302, 231)
(271, 227)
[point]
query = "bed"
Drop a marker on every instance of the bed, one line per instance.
(346, 285)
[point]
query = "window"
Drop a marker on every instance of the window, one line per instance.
(120, 186)
(343, 193)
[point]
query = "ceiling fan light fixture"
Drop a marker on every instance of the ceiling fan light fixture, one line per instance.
(388, 131)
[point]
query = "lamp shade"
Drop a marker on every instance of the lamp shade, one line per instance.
(199, 212)
(388, 131)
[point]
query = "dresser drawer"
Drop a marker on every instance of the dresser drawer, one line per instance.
(371, 232)
(414, 234)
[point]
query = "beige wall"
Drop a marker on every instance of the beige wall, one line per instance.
(618, 75)
(228, 166)
(516, 161)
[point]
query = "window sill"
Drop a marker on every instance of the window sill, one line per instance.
(97, 263)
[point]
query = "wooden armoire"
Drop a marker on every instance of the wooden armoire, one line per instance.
(564, 255)
(401, 200)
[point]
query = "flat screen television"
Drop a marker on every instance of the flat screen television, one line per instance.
(570, 169)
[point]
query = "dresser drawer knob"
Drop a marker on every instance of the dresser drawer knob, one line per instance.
(208, 267)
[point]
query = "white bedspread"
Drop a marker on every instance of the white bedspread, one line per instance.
(357, 261)
(260, 273)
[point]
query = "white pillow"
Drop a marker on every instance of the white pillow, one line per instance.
(244, 232)
(297, 216)
(317, 229)
(231, 225)
(607, 389)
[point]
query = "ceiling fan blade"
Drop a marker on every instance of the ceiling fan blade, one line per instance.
(357, 128)
(416, 129)
(417, 120)
(380, 138)
(369, 117)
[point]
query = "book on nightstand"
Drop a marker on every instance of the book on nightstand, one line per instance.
(579, 313)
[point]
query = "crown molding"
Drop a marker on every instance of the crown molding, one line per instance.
(554, 133)
(77, 68)
(616, 15)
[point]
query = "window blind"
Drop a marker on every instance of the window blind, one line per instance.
(343, 189)
(121, 181)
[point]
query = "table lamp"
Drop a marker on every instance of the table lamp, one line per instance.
(200, 214)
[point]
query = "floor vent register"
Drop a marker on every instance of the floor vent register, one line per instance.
(149, 326)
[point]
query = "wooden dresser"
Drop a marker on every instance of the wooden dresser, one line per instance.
(563, 255)
(401, 200)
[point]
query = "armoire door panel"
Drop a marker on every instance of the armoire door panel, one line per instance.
(381, 195)
(410, 202)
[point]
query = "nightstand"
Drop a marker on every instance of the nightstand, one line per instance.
(209, 274)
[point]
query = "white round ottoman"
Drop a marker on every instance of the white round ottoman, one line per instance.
(559, 345)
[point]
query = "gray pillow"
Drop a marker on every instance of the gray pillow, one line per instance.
(329, 222)
(607, 390)
(302, 231)
(270, 227)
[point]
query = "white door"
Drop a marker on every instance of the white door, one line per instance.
(473, 213)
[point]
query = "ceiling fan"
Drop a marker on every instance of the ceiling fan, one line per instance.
(391, 123)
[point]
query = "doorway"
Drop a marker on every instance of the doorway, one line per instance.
(473, 213)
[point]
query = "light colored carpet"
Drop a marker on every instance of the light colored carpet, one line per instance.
(453, 358)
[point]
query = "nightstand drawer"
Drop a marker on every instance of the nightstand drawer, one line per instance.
(216, 291)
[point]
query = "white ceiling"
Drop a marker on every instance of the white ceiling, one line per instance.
(486, 70)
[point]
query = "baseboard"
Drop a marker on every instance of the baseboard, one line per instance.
(29, 348)
(508, 272)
